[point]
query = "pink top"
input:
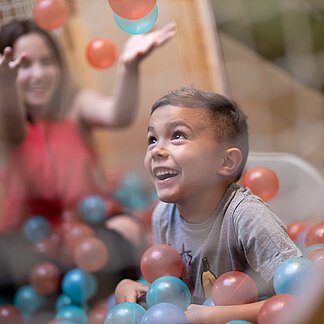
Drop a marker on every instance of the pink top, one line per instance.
(50, 171)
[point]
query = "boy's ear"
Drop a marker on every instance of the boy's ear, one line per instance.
(231, 161)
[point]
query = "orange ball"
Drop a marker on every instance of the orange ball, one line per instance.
(160, 260)
(132, 9)
(262, 181)
(295, 228)
(315, 235)
(234, 288)
(51, 14)
(101, 53)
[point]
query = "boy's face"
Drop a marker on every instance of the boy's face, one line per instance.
(182, 155)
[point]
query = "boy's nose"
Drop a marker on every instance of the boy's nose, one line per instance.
(159, 151)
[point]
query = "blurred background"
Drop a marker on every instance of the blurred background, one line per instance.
(267, 55)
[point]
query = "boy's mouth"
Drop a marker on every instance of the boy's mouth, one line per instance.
(164, 173)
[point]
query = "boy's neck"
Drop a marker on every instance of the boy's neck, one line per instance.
(200, 208)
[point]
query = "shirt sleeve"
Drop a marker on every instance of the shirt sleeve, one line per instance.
(263, 237)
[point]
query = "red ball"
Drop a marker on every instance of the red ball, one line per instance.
(132, 9)
(315, 235)
(51, 14)
(10, 314)
(276, 308)
(295, 228)
(160, 260)
(45, 278)
(101, 53)
(262, 181)
(234, 288)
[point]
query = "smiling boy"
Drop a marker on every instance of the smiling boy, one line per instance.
(197, 150)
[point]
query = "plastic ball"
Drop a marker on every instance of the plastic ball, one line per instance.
(91, 254)
(295, 228)
(238, 322)
(111, 301)
(73, 313)
(315, 234)
(138, 26)
(97, 314)
(101, 53)
(10, 314)
(62, 301)
(290, 274)
(77, 233)
(60, 321)
(307, 250)
(51, 14)
(234, 288)
(168, 289)
(49, 247)
(28, 300)
(160, 260)
(125, 313)
(300, 240)
(276, 308)
(36, 228)
(45, 278)
(165, 313)
(317, 256)
(79, 285)
(93, 210)
(263, 182)
(132, 9)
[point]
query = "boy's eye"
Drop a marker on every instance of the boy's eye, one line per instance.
(178, 135)
(151, 140)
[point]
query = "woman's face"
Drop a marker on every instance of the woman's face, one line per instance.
(39, 75)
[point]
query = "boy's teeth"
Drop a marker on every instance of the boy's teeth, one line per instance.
(164, 174)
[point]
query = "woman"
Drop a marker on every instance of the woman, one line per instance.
(46, 121)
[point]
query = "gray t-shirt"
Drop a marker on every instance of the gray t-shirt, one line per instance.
(242, 234)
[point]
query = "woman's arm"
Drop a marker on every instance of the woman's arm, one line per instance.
(13, 119)
(119, 110)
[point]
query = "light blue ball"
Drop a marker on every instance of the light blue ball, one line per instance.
(168, 289)
(290, 274)
(62, 301)
(125, 313)
(73, 314)
(165, 313)
(79, 285)
(93, 210)
(137, 26)
(36, 228)
(238, 322)
(28, 300)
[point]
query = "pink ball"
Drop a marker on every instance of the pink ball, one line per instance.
(234, 288)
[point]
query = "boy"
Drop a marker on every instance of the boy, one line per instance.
(197, 150)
